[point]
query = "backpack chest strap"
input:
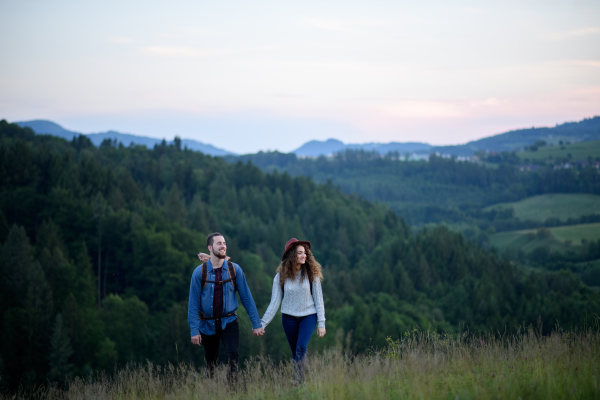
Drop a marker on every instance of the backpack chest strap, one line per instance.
(232, 276)
(220, 282)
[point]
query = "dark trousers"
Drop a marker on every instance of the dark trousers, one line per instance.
(298, 331)
(230, 336)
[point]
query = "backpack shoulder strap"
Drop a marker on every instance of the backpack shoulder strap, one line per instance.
(232, 274)
(204, 275)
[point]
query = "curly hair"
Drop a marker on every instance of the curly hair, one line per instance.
(288, 267)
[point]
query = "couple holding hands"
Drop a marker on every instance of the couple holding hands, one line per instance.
(212, 304)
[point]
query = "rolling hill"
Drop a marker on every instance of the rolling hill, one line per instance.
(582, 131)
(50, 128)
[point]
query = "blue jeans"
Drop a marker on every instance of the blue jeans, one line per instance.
(299, 330)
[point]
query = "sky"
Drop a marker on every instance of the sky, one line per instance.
(271, 75)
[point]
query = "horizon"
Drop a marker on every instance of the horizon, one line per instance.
(268, 76)
(291, 151)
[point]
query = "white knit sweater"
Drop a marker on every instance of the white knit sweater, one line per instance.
(297, 300)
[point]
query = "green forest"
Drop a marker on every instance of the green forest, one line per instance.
(434, 191)
(98, 245)
(526, 212)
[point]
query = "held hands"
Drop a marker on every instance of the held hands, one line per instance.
(258, 332)
(320, 332)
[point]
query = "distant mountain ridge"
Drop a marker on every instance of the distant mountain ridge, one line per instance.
(582, 131)
(316, 148)
(52, 128)
(585, 130)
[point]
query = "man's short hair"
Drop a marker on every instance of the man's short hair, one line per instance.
(209, 239)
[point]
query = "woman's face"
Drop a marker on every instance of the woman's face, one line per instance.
(300, 255)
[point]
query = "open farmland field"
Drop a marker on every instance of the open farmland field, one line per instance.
(527, 239)
(575, 233)
(520, 240)
(578, 151)
(561, 206)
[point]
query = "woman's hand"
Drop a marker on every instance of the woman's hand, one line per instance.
(320, 332)
(205, 257)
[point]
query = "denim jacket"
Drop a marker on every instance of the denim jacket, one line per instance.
(202, 300)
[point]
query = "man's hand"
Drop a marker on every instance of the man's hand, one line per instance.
(258, 332)
(197, 340)
(320, 332)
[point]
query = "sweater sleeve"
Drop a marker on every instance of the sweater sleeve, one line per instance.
(276, 296)
(319, 303)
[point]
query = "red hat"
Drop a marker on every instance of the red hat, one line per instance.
(292, 243)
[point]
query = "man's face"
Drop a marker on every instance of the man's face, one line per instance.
(218, 248)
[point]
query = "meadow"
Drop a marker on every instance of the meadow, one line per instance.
(557, 152)
(557, 205)
(559, 239)
(424, 364)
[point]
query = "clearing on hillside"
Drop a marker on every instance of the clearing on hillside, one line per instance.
(561, 206)
(560, 237)
(573, 152)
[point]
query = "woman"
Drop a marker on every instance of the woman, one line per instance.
(298, 283)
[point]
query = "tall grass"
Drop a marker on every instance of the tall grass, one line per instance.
(423, 365)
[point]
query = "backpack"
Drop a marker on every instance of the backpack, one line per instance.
(204, 281)
(231, 279)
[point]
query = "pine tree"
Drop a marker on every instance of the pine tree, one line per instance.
(4, 227)
(99, 213)
(38, 310)
(15, 264)
(175, 209)
(60, 352)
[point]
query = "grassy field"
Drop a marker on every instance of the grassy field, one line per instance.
(578, 151)
(425, 365)
(561, 206)
(575, 233)
(528, 239)
(520, 240)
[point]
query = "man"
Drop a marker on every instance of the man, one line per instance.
(212, 308)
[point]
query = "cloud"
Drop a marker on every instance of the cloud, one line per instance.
(585, 63)
(186, 33)
(472, 10)
(171, 51)
(333, 26)
(423, 109)
(584, 31)
(576, 33)
(486, 103)
(121, 40)
(194, 52)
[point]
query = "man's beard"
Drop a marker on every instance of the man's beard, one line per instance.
(219, 255)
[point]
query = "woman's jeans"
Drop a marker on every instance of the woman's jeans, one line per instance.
(299, 330)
